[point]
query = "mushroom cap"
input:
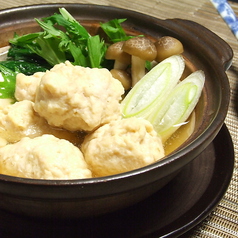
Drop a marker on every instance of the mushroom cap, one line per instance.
(141, 47)
(115, 52)
(167, 46)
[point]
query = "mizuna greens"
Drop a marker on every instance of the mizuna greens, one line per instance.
(114, 30)
(162, 99)
(73, 42)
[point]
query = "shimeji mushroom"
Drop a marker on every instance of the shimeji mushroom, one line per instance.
(167, 46)
(115, 52)
(123, 77)
(141, 50)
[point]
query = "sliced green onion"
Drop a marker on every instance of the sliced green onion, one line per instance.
(178, 105)
(153, 88)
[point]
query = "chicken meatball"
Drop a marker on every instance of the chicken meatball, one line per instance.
(78, 98)
(26, 86)
(121, 146)
(19, 120)
(44, 157)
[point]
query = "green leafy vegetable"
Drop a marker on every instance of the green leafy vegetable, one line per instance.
(71, 43)
(114, 30)
(63, 38)
(25, 39)
(27, 68)
(7, 82)
(24, 55)
(97, 49)
(48, 48)
(72, 26)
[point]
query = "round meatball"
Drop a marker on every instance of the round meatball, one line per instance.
(78, 98)
(26, 86)
(121, 146)
(19, 120)
(44, 157)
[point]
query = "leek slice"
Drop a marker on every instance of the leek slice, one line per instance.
(178, 105)
(153, 89)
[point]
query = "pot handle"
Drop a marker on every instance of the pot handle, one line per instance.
(199, 37)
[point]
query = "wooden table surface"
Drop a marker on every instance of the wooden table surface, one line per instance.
(223, 220)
